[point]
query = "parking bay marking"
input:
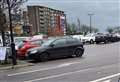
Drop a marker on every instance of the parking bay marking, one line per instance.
(59, 66)
(59, 75)
(107, 77)
(69, 73)
(50, 68)
(107, 81)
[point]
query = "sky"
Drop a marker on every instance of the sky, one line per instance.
(106, 13)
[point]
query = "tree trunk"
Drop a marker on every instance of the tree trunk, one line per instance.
(3, 37)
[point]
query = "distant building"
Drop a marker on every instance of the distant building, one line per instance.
(46, 20)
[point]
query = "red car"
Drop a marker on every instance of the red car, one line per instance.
(25, 45)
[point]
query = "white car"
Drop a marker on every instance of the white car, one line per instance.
(88, 38)
(118, 35)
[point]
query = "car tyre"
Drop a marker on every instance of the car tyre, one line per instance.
(91, 41)
(97, 42)
(78, 52)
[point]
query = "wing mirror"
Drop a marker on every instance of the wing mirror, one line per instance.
(52, 45)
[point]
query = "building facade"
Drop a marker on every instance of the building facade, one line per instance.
(46, 20)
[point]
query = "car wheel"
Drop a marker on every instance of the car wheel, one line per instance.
(78, 52)
(91, 41)
(97, 42)
(106, 41)
(44, 57)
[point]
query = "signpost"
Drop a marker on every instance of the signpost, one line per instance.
(2, 53)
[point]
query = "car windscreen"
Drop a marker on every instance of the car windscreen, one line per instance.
(20, 45)
(17, 40)
(47, 42)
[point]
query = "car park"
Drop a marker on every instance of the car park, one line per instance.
(57, 48)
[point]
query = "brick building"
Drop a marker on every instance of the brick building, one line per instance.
(46, 20)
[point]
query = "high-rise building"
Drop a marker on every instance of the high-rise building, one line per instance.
(46, 20)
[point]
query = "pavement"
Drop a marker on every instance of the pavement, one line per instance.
(100, 63)
(20, 64)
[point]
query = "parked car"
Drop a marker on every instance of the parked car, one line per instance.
(117, 35)
(56, 48)
(112, 38)
(35, 37)
(89, 38)
(100, 37)
(25, 45)
(94, 38)
(19, 39)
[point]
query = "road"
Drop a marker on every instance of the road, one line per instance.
(100, 63)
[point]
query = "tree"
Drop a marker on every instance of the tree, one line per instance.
(117, 29)
(2, 25)
(110, 30)
(73, 28)
(68, 29)
(86, 29)
(12, 5)
(95, 30)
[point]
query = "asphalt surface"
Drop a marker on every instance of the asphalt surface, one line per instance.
(100, 63)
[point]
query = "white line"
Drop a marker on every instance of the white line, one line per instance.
(59, 66)
(65, 64)
(55, 76)
(107, 81)
(20, 73)
(107, 77)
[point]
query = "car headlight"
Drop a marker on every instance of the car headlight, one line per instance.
(33, 52)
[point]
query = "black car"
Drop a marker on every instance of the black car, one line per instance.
(100, 38)
(56, 48)
(112, 38)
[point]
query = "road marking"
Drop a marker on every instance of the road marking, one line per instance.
(59, 75)
(107, 77)
(65, 64)
(107, 81)
(59, 66)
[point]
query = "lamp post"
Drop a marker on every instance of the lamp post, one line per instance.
(11, 35)
(90, 14)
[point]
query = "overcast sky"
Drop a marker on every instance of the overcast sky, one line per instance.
(106, 12)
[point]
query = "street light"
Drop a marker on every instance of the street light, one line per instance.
(90, 14)
(11, 35)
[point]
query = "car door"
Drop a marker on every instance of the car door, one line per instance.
(72, 45)
(59, 49)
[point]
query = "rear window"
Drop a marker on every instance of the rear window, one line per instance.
(20, 45)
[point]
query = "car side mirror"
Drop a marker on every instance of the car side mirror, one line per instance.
(52, 45)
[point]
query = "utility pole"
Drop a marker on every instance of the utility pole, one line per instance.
(11, 35)
(78, 24)
(90, 14)
(66, 26)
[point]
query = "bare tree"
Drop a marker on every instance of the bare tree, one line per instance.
(12, 6)
(110, 30)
